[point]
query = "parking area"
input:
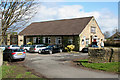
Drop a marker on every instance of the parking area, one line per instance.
(58, 66)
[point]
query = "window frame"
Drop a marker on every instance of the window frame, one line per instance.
(93, 29)
(58, 40)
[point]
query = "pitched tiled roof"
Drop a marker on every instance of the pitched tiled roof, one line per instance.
(57, 27)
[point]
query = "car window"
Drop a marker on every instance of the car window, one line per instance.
(18, 50)
(33, 46)
(29, 45)
(2, 46)
(7, 50)
(15, 46)
(41, 46)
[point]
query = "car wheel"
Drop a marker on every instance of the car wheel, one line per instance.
(60, 50)
(39, 52)
(50, 52)
(10, 60)
(22, 59)
(25, 50)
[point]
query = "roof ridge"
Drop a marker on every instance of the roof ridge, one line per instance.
(63, 19)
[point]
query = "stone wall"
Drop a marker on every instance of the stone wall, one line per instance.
(100, 55)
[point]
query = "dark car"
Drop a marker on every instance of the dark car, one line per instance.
(13, 54)
(94, 45)
(85, 50)
(51, 49)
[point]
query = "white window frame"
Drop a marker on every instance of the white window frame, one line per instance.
(44, 40)
(49, 40)
(34, 39)
(71, 41)
(38, 39)
(58, 40)
(87, 41)
(93, 29)
(27, 40)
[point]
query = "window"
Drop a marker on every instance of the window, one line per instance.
(27, 40)
(46, 40)
(93, 29)
(82, 41)
(58, 40)
(87, 41)
(70, 41)
(34, 39)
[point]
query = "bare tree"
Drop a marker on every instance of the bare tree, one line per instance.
(15, 15)
(107, 34)
(115, 30)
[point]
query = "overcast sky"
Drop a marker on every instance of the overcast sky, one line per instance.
(106, 13)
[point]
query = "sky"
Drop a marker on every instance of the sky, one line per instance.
(105, 13)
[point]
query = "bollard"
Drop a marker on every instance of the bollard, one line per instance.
(1, 62)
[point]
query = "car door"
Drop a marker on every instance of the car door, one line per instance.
(55, 49)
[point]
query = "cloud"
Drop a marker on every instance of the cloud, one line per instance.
(78, 0)
(105, 18)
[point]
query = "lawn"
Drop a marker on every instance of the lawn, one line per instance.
(17, 71)
(109, 67)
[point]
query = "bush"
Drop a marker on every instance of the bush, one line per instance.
(112, 44)
(29, 43)
(69, 48)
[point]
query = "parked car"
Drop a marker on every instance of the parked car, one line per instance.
(51, 49)
(25, 47)
(94, 44)
(85, 50)
(13, 54)
(3, 47)
(13, 47)
(36, 48)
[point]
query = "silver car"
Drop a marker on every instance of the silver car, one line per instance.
(25, 47)
(13, 54)
(3, 47)
(13, 47)
(36, 48)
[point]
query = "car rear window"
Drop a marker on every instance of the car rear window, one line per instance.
(15, 46)
(18, 50)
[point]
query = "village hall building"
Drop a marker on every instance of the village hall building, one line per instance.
(80, 32)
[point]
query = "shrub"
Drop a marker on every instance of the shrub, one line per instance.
(29, 43)
(69, 48)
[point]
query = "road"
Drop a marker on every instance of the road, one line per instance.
(58, 66)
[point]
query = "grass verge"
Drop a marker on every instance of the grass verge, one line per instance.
(109, 67)
(17, 71)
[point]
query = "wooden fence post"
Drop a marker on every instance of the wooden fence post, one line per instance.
(1, 62)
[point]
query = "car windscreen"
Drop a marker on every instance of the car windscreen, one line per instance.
(49, 47)
(41, 46)
(18, 50)
(33, 46)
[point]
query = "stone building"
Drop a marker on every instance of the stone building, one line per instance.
(79, 31)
